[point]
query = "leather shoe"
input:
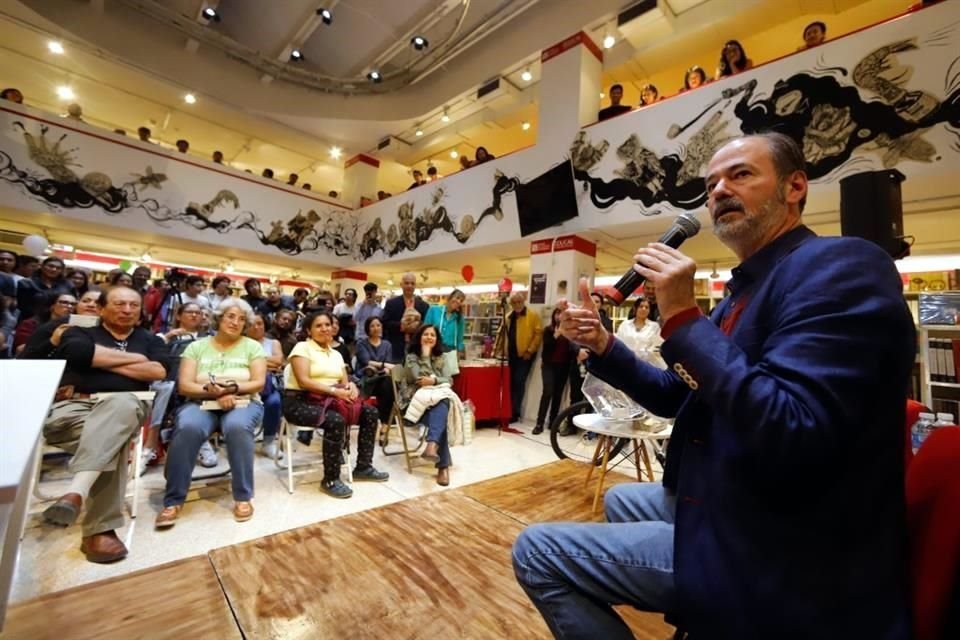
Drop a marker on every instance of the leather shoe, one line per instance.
(103, 547)
(168, 517)
(430, 452)
(65, 510)
(443, 476)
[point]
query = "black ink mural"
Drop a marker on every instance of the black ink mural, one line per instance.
(333, 231)
(410, 232)
(826, 115)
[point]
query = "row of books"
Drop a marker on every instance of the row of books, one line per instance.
(944, 360)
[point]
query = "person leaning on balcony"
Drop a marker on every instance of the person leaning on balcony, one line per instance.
(733, 60)
(814, 35)
(111, 361)
(694, 77)
(615, 108)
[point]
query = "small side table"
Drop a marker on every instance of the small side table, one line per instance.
(608, 431)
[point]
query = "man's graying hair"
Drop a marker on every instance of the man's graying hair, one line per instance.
(786, 155)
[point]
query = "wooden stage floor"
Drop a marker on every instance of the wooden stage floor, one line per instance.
(436, 566)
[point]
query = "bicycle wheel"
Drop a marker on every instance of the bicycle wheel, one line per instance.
(577, 446)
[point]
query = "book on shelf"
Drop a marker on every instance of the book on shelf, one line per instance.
(944, 361)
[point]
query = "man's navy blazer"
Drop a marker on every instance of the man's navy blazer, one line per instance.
(787, 451)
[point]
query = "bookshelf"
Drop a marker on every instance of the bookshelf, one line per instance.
(940, 384)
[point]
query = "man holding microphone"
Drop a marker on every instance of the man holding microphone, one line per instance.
(781, 513)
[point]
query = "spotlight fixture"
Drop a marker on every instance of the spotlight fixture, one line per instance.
(419, 132)
(525, 126)
(602, 95)
(609, 41)
(211, 14)
(190, 98)
(55, 47)
(419, 43)
(374, 76)
(325, 16)
(714, 275)
(454, 154)
(296, 56)
(335, 152)
(445, 117)
(390, 280)
(65, 93)
(228, 268)
(146, 257)
(526, 76)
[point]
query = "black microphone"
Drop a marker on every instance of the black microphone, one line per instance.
(684, 226)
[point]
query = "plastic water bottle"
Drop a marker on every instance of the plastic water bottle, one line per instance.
(944, 420)
(921, 429)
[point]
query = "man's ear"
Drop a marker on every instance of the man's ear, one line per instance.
(796, 188)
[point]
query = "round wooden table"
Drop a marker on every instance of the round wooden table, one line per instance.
(608, 431)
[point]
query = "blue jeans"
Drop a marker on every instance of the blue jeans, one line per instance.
(194, 427)
(436, 420)
(573, 573)
(272, 406)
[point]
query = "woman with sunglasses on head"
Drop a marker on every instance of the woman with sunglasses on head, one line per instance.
(58, 306)
(46, 337)
(221, 376)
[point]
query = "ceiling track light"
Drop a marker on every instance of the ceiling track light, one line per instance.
(419, 132)
(374, 76)
(325, 16)
(296, 55)
(446, 116)
(526, 76)
(190, 98)
(525, 126)
(609, 41)
(211, 14)
(419, 43)
(55, 47)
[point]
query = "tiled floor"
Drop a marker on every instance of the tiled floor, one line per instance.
(51, 560)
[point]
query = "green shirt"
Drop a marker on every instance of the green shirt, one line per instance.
(233, 364)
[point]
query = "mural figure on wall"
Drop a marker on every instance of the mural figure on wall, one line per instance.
(829, 117)
(412, 230)
(62, 187)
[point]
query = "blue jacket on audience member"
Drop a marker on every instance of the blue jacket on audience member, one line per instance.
(787, 452)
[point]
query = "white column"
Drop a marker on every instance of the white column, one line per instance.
(569, 91)
(360, 179)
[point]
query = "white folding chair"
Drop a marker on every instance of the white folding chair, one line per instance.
(288, 439)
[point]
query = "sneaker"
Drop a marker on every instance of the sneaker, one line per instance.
(147, 457)
(207, 456)
(271, 450)
(336, 489)
(370, 474)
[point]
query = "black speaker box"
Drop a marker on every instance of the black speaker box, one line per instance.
(871, 207)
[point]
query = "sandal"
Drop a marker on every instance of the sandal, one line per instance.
(242, 511)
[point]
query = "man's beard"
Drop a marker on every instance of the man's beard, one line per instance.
(753, 224)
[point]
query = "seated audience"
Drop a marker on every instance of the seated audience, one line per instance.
(434, 400)
(218, 157)
(11, 94)
(57, 307)
(272, 394)
(183, 146)
(373, 361)
(450, 324)
(482, 155)
(80, 280)
(417, 179)
(112, 360)
(228, 371)
(46, 338)
(814, 34)
(338, 344)
(641, 334)
(693, 78)
(283, 330)
(557, 353)
(615, 108)
(648, 95)
(253, 297)
(733, 60)
(318, 393)
(32, 289)
(119, 278)
(144, 133)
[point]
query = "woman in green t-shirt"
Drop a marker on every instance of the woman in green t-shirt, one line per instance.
(314, 381)
(221, 376)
